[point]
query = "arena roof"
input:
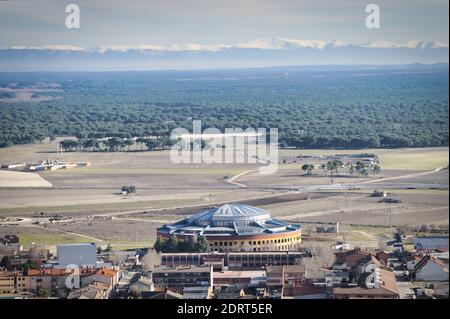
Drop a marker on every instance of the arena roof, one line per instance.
(229, 220)
(229, 213)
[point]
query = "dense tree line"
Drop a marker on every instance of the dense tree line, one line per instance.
(391, 110)
(173, 245)
(115, 144)
(336, 167)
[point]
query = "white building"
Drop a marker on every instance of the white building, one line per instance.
(77, 254)
(335, 277)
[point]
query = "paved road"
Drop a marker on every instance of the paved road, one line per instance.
(351, 186)
(404, 288)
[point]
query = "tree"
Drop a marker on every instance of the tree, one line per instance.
(172, 244)
(129, 189)
(30, 264)
(308, 168)
(42, 292)
(166, 142)
(335, 166)
(68, 145)
(351, 168)
(305, 167)
(376, 169)
(38, 252)
(202, 244)
(151, 144)
(115, 143)
(5, 262)
(128, 143)
(187, 245)
(158, 245)
(364, 172)
(90, 143)
(324, 169)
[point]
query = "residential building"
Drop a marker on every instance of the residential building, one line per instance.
(411, 261)
(274, 277)
(294, 275)
(13, 282)
(240, 279)
(385, 288)
(143, 284)
(96, 290)
(110, 277)
(431, 269)
(336, 277)
(234, 260)
(165, 294)
(83, 255)
(197, 292)
(183, 276)
(350, 257)
(48, 279)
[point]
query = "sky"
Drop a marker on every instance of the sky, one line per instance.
(168, 22)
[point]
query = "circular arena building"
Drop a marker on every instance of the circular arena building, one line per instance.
(235, 227)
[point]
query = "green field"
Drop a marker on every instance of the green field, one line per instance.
(50, 238)
(27, 239)
(405, 159)
(420, 159)
(150, 171)
(136, 205)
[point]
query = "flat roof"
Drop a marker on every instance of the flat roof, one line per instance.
(239, 274)
(165, 269)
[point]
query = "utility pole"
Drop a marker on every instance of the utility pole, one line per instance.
(58, 151)
(390, 219)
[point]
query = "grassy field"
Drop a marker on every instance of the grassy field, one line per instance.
(443, 192)
(150, 171)
(405, 159)
(420, 159)
(135, 205)
(26, 238)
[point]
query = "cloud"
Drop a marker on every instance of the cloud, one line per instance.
(261, 43)
(414, 44)
(50, 47)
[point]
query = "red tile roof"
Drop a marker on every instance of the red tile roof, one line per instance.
(107, 272)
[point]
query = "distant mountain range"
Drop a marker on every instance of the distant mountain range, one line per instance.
(258, 53)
